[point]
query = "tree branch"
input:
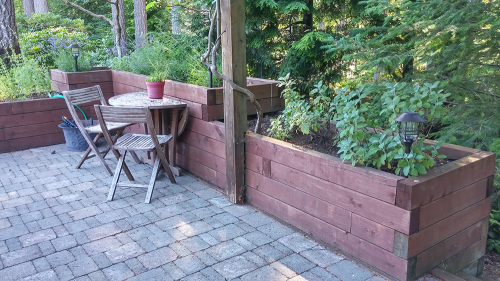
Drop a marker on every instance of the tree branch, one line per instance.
(213, 68)
(89, 12)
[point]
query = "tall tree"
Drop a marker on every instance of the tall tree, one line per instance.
(29, 7)
(140, 20)
(118, 14)
(113, 23)
(176, 20)
(41, 6)
(8, 28)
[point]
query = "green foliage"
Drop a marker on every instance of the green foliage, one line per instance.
(21, 78)
(65, 62)
(299, 113)
(493, 242)
(177, 56)
(38, 22)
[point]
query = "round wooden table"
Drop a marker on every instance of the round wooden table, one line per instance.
(165, 114)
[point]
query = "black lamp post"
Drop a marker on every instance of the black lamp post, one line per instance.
(75, 52)
(409, 128)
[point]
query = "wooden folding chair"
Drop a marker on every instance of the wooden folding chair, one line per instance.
(135, 142)
(86, 95)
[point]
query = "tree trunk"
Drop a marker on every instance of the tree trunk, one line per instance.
(41, 6)
(120, 29)
(308, 17)
(176, 21)
(141, 25)
(8, 28)
(29, 7)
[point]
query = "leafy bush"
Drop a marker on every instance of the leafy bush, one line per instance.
(175, 55)
(365, 121)
(493, 242)
(23, 77)
(65, 62)
(38, 22)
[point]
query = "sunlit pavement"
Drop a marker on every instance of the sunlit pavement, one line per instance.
(55, 224)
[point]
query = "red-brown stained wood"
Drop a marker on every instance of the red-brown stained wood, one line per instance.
(372, 232)
(366, 206)
(120, 88)
(106, 87)
(204, 143)
(366, 180)
(27, 106)
(32, 118)
(2, 137)
(221, 181)
(453, 151)
(452, 203)
(489, 186)
(451, 246)
(88, 77)
(194, 93)
(266, 167)
(5, 108)
(12, 133)
(375, 256)
(466, 257)
(203, 157)
(253, 162)
(216, 112)
(261, 89)
(58, 76)
(311, 205)
(30, 142)
(445, 179)
(451, 225)
(127, 78)
(214, 130)
(59, 86)
(198, 169)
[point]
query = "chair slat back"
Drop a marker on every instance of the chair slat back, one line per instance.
(86, 95)
(122, 114)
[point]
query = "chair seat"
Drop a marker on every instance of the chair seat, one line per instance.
(96, 129)
(139, 142)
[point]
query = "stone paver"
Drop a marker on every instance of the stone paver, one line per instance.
(56, 224)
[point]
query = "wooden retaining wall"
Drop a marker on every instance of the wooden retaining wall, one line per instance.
(403, 227)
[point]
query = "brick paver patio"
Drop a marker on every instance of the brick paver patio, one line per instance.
(55, 224)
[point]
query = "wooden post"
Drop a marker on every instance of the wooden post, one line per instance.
(235, 103)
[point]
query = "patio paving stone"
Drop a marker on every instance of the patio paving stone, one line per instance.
(56, 224)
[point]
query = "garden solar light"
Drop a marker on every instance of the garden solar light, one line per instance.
(409, 128)
(75, 52)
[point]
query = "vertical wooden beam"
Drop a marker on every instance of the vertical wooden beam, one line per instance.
(235, 108)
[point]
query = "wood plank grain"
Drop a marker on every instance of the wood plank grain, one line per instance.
(32, 118)
(466, 257)
(453, 151)
(5, 108)
(372, 232)
(27, 106)
(198, 169)
(447, 227)
(302, 201)
(89, 77)
(444, 180)
(127, 78)
(452, 203)
(58, 76)
(204, 143)
(194, 93)
(31, 142)
(106, 87)
(12, 133)
(366, 180)
(253, 162)
(367, 252)
(120, 88)
(358, 203)
(266, 167)
(451, 246)
(216, 112)
(201, 156)
(2, 137)
(214, 130)
(59, 87)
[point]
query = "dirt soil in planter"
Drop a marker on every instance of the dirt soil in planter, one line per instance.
(492, 265)
(321, 143)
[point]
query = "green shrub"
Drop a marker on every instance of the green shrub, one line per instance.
(38, 22)
(66, 62)
(23, 77)
(365, 121)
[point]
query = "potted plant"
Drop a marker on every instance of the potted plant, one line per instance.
(155, 85)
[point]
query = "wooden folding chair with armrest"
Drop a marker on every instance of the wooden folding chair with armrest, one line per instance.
(135, 142)
(86, 95)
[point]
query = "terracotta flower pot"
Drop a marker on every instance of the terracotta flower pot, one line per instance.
(155, 89)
